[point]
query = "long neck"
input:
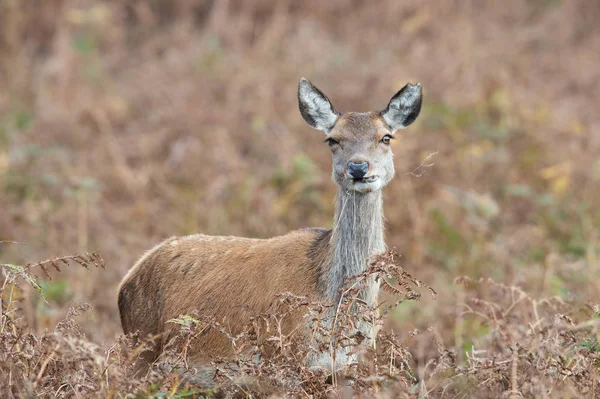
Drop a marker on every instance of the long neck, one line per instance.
(357, 235)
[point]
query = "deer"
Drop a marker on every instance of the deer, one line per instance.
(232, 278)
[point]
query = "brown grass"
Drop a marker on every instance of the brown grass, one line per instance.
(124, 122)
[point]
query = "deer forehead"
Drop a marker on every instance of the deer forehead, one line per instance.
(359, 126)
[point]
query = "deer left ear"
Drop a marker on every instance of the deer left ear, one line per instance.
(404, 107)
(315, 107)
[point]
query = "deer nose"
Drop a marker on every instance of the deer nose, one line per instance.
(358, 170)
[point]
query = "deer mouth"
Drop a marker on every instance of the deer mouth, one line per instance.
(368, 179)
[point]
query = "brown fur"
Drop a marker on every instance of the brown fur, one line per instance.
(185, 274)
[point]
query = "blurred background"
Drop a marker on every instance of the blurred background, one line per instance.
(125, 122)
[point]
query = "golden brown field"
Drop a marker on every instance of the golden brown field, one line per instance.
(125, 122)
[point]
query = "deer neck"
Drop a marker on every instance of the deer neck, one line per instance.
(357, 235)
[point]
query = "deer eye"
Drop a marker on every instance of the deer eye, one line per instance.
(386, 139)
(331, 141)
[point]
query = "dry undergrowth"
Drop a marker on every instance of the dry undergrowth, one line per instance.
(533, 348)
(63, 363)
(275, 361)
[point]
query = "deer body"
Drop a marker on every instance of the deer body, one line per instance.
(234, 278)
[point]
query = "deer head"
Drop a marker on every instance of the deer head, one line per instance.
(360, 141)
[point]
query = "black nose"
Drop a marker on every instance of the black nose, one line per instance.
(358, 170)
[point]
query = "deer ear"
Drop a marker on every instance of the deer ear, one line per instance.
(315, 107)
(404, 107)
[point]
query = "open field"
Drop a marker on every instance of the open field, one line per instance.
(126, 122)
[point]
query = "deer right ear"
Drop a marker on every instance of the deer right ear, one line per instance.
(315, 107)
(404, 107)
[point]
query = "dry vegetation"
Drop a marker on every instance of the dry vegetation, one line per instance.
(124, 122)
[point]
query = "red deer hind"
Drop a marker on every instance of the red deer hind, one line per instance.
(234, 278)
